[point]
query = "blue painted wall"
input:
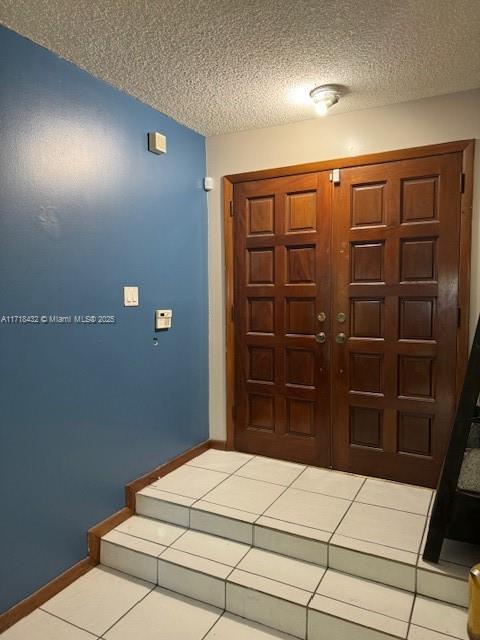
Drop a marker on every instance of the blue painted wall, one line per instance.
(84, 210)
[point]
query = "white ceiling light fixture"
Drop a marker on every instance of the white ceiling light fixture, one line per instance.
(324, 97)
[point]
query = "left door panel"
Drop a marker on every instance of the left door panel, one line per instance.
(282, 317)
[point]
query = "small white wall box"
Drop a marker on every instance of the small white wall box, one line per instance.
(163, 319)
(208, 183)
(130, 296)
(157, 142)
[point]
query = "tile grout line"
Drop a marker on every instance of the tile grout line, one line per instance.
(233, 569)
(288, 486)
(365, 625)
(235, 566)
(313, 595)
(357, 606)
(154, 520)
(195, 500)
(196, 555)
(254, 480)
(72, 624)
(140, 553)
(348, 509)
(213, 625)
(260, 575)
(382, 506)
(244, 555)
(225, 506)
(377, 544)
(330, 533)
(436, 631)
(307, 491)
(152, 588)
(304, 526)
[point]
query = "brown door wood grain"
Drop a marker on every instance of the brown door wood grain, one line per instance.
(396, 233)
(282, 234)
(379, 255)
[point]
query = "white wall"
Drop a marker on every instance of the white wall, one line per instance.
(410, 124)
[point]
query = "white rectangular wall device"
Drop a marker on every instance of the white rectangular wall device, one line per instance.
(130, 296)
(163, 319)
(157, 142)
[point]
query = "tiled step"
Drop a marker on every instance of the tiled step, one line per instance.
(289, 595)
(361, 526)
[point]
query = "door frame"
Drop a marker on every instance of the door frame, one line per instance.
(466, 147)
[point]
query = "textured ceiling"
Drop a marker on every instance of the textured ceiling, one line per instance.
(229, 65)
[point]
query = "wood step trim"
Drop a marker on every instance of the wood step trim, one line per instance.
(95, 534)
(39, 597)
(142, 482)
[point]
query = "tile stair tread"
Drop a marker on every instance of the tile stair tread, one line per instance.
(374, 549)
(270, 573)
(159, 494)
(392, 554)
(227, 512)
(270, 587)
(196, 563)
(299, 530)
(146, 547)
(150, 529)
(361, 617)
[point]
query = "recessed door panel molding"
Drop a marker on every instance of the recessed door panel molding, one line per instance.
(260, 216)
(300, 417)
(300, 316)
(347, 338)
(366, 373)
(282, 285)
(300, 367)
(367, 204)
(260, 315)
(416, 377)
(418, 258)
(301, 211)
(261, 266)
(419, 199)
(261, 362)
(367, 261)
(417, 318)
(301, 265)
(261, 412)
(367, 318)
(394, 376)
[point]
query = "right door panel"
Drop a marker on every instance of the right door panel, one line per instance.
(396, 233)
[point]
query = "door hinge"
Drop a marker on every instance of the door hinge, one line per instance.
(462, 183)
(231, 208)
(232, 313)
(335, 176)
(459, 317)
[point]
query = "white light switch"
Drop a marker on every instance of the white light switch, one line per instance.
(130, 296)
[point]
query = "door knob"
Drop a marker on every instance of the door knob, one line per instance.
(341, 317)
(320, 337)
(340, 338)
(322, 316)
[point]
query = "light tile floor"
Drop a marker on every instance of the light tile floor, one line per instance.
(370, 527)
(388, 516)
(380, 518)
(109, 605)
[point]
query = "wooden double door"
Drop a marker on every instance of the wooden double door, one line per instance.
(346, 314)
